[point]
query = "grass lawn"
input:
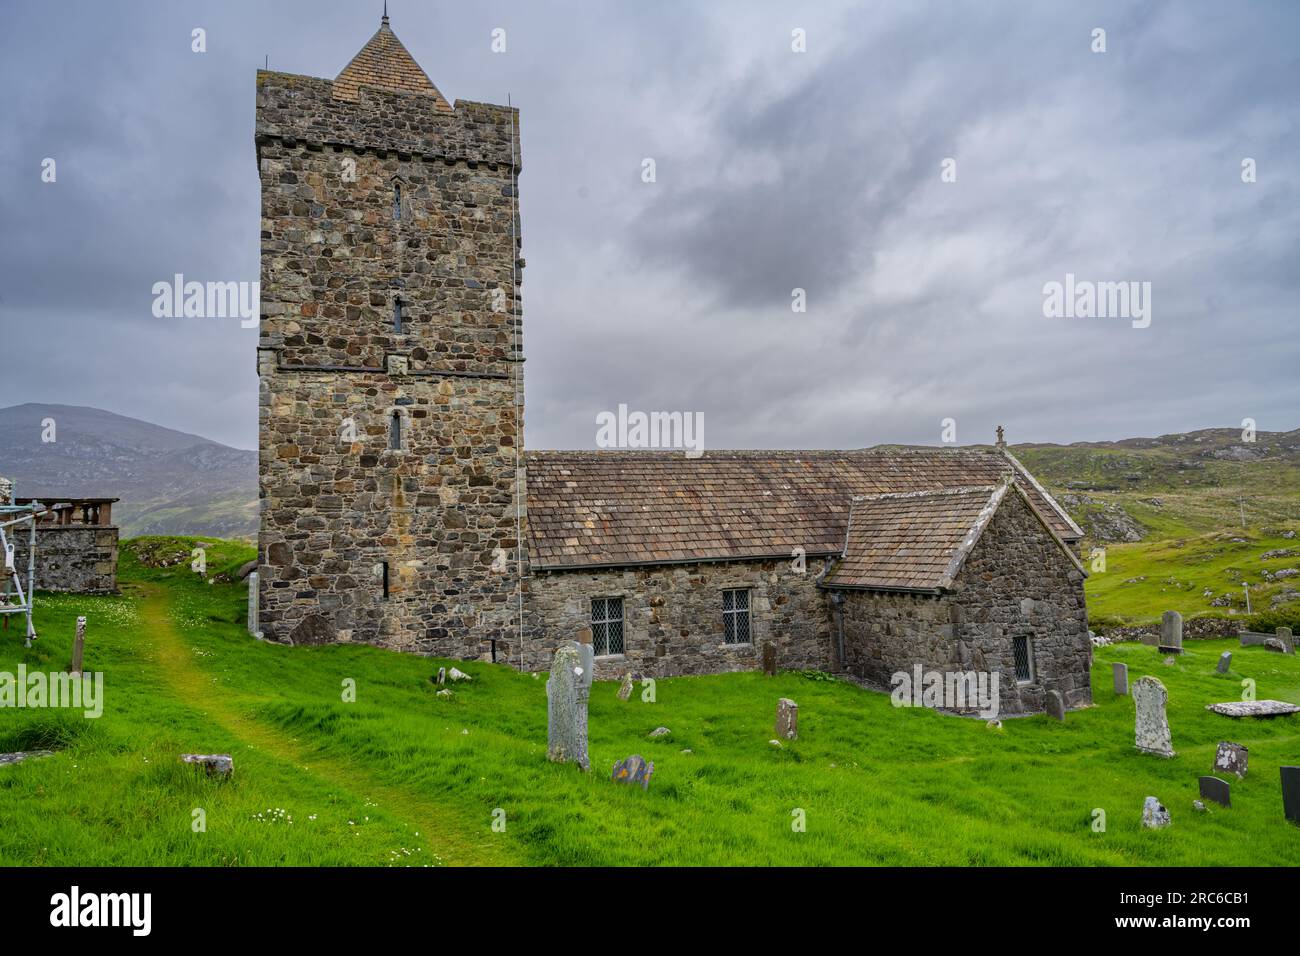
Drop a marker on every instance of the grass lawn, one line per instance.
(402, 777)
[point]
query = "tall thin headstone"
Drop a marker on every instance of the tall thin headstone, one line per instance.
(252, 602)
(1285, 636)
(1291, 793)
(1225, 661)
(1151, 726)
(78, 646)
(1119, 672)
(567, 690)
(1171, 632)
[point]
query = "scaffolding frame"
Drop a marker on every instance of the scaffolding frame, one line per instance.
(11, 584)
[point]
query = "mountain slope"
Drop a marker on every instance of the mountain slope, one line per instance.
(169, 481)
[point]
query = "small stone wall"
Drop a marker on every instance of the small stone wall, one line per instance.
(673, 621)
(77, 558)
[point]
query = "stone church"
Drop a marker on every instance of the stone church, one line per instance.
(400, 509)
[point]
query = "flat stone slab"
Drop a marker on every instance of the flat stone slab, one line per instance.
(216, 765)
(1254, 708)
(21, 755)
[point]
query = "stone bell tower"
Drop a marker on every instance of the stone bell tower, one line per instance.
(390, 361)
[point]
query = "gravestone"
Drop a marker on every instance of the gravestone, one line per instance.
(252, 603)
(769, 659)
(1151, 726)
(442, 675)
(1171, 632)
(1252, 638)
(1212, 788)
(216, 765)
(1284, 635)
(1054, 704)
(787, 719)
(1119, 673)
(1154, 814)
(567, 690)
(633, 770)
(1254, 708)
(1291, 793)
(1225, 661)
(1231, 758)
(1275, 644)
(625, 688)
(78, 647)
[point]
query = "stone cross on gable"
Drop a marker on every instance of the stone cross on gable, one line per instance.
(1002, 438)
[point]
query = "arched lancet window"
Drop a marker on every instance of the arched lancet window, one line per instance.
(397, 200)
(397, 314)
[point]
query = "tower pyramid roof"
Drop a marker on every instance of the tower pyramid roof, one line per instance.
(384, 63)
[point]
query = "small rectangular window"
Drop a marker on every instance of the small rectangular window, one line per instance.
(1024, 659)
(397, 200)
(385, 573)
(395, 432)
(607, 626)
(397, 315)
(735, 616)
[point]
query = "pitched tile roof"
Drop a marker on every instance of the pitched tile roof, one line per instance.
(617, 508)
(384, 63)
(914, 541)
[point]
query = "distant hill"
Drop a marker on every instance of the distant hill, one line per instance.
(1174, 485)
(170, 482)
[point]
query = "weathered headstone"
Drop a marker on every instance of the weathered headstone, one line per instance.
(1291, 793)
(1171, 632)
(769, 659)
(1254, 708)
(659, 732)
(1054, 704)
(1284, 635)
(1275, 644)
(1151, 726)
(1154, 814)
(634, 769)
(1225, 661)
(442, 675)
(216, 765)
(78, 647)
(1231, 758)
(252, 603)
(787, 719)
(625, 688)
(1119, 673)
(567, 690)
(456, 674)
(1212, 788)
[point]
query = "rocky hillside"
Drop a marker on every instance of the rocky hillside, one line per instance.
(169, 482)
(1194, 483)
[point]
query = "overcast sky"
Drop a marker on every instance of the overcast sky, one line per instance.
(775, 170)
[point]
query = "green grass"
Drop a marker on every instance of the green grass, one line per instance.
(1145, 579)
(403, 777)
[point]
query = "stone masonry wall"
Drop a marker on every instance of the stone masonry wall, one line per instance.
(1016, 581)
(673, 622)
(77, 558)
(337, 502)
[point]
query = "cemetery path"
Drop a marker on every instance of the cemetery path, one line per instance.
(445, 833)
